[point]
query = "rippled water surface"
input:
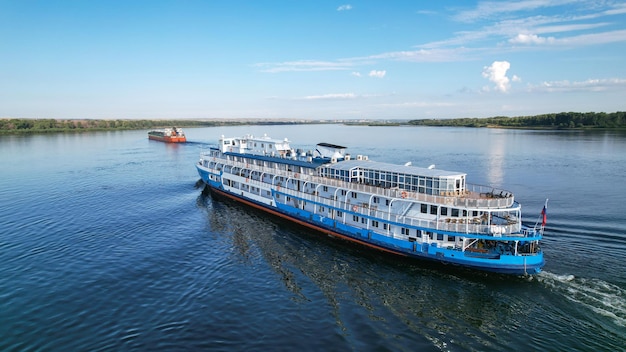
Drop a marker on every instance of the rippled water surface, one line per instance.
(108, 243)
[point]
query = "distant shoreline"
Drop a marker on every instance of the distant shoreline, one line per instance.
(556, 121)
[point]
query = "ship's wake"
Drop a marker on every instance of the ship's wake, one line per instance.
(601, 297)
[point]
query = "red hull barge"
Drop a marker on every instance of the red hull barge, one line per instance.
(168, 135)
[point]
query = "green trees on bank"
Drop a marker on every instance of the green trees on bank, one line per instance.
(52, 125)
(562, 120)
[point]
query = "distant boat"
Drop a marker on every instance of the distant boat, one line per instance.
(168, 135)
(417, 212)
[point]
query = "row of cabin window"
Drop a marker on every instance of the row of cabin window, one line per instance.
(424, 209)
(430, 235)
(433, 209)
(406, 231)
(375, 176)
(403, 230)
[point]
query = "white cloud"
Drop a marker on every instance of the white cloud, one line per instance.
(530, 39)
(418, 104)
(496, 73)
(424, 55)
(345, 7)
(486, 9)
(303, 65)
(590, 85)
(579, 40)
(339, 96)
(356, 74)
(377, 74)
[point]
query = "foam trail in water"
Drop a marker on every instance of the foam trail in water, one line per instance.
(601, 297)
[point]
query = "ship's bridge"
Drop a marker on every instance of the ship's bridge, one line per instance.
(410, 178)
(250, 144)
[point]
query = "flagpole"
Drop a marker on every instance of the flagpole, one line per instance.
(544, 215)
(541, 216)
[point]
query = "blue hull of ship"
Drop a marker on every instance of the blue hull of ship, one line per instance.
(516, 265)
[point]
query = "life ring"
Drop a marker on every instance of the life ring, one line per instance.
(355, 208)
(296, 175)
(403, 194)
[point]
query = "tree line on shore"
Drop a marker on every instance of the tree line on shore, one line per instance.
(54, 125)
(562, 120)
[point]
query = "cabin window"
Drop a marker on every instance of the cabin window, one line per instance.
(353, 194)
(363, 220)
(384, 226)
(424, 208)
(343, 192)
(444, 211)
(321, 209)
(451, 238)
(374, 223)
(404, 231)
(433, 210)
(375, 200)
(339, 213)
(455, 212)
(429, 234)
(439, 237)
(475, 213)
(464, 212)
(386, 201)
(355, 218)
(325, 188)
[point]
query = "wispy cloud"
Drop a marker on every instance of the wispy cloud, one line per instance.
(488, 9)
(377, 74)
(516, 28)
(345, 7)
(420, 55)
(340, 96)
(418, 104)
(303, 65)
(590, 85)
(531, 39)
(423, 55)
(519, 28)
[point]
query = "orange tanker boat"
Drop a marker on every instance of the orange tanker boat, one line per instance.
(168, 135)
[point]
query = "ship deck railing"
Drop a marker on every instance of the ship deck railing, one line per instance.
(464, 225)
(474, 196)
(467, 225)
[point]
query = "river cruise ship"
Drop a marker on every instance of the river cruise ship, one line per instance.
(406, 210)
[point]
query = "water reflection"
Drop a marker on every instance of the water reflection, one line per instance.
(368, 292)
(496, 153)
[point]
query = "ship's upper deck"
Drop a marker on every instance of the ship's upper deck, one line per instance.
(412, 178)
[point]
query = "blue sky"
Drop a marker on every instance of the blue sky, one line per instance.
(310, 59)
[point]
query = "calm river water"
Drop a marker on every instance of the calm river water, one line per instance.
(108, 244)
